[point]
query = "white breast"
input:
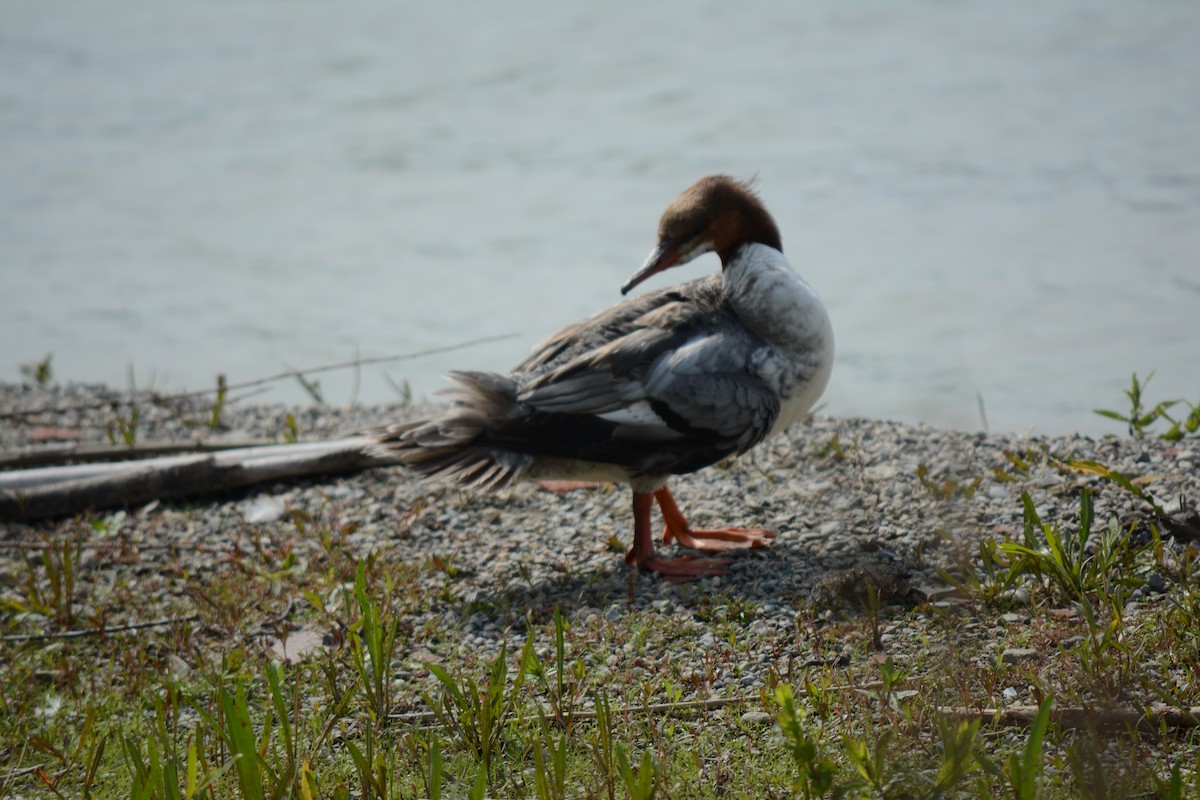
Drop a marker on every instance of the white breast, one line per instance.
(771, 298)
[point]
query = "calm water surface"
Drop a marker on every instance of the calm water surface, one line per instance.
(995, 200)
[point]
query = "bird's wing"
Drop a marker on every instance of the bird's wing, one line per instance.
(672, 393)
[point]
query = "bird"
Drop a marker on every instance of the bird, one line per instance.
(663, 383)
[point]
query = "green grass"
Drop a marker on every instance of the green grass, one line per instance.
(399, 701)
(104, 716)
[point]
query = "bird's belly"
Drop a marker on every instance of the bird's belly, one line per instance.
(563, 469)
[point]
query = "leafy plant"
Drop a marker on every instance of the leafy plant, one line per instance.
(602, 745)
(39, 372)
(123, 427)
(1066, 562)
(291, 432)
(1024, 773)
(949, 489)
(888, 695)
(988, 577)
(54, 595)
(835, 449)
(815, 773)
(562, 687)
(550, 765)
(958, 760)
(476, 714)
(372, 642)
(214, 419)
(639, 784)
(1111, 475)
(1139, 419)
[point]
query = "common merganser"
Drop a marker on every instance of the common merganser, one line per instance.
(660, 384)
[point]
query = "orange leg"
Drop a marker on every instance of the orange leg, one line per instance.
(720, 540)
(675, 570)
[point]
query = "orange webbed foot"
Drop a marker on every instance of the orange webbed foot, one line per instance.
(719, 540)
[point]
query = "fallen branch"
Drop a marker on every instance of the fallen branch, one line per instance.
(430, 718)
(61, 491)
(88, 454)
(1073, 717)
(79, 634)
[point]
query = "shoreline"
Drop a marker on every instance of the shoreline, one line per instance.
(828, 486)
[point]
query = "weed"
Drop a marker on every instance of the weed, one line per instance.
(1139, 419)
(949, 489)
(990, 577)
(1067, 563)
(478, 715)
(835, 449)
(1023, 774)
(39, 372)
(958, 757)
(563, 688)
(602, 745)
(640, 784)
(1020, 463)
(1111, 475)
(123, 428)
(53, 595)
(373, 644)
(815, 773)
(291, 431)
(222, 393)
(887, 695)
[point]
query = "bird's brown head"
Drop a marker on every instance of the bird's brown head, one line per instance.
(715, 214)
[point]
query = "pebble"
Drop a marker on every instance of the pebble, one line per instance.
(178, 667)
(263, 509)
(1018, 655)
(757, 718)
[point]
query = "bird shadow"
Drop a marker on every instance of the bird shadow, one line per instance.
(789, 577)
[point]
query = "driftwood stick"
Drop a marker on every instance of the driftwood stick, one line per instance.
(1073, 717)
(62, 491)
(87, 454)
(79, 634)
(430, 718)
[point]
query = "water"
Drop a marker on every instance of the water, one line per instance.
(997, 201)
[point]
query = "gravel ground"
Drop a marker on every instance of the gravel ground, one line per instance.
(844, 495)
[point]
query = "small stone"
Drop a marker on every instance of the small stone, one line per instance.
(831, 527)
(263, 509)
(756, 718)
(1017, 655)
(952, 605)
(880, 472)
(1011, 618)
(1018, 597)
(178, 667)
(298, 645)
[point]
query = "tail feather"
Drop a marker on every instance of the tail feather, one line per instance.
(453, 445)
